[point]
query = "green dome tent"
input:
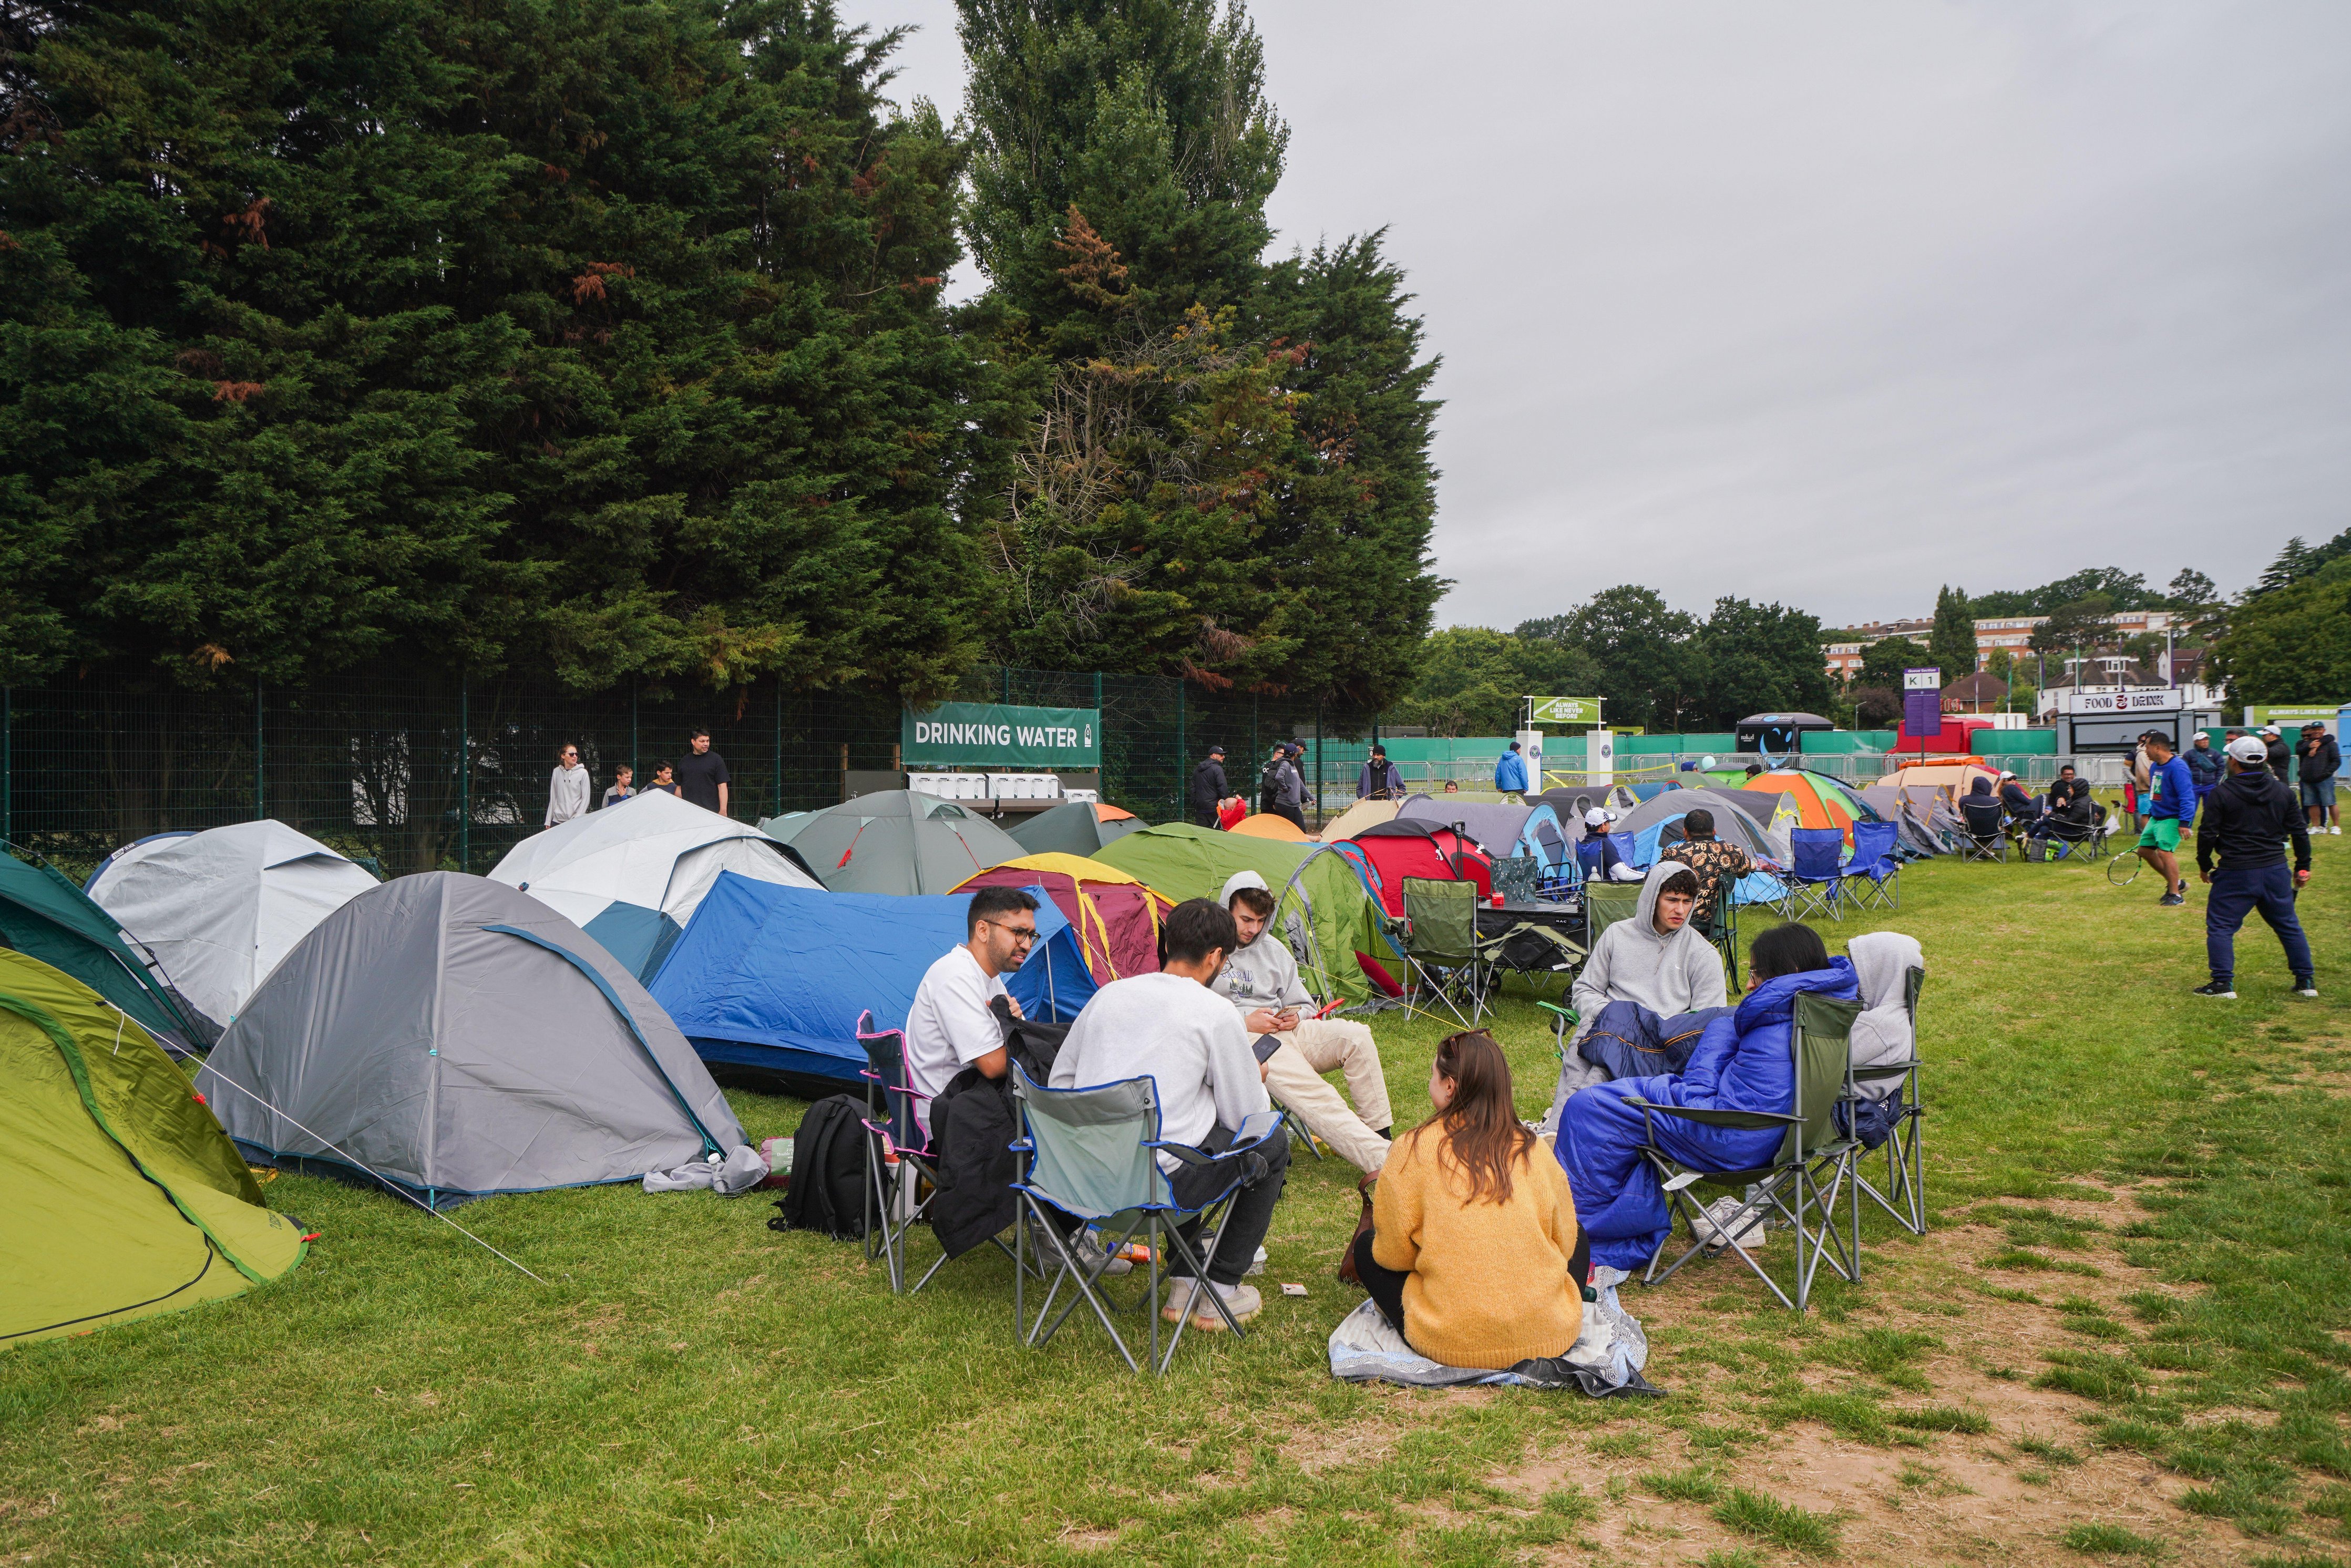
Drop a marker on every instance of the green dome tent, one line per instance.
(1076, 829)
(894, 841)
(1326, 909)
(125, 1198)
(46, 917)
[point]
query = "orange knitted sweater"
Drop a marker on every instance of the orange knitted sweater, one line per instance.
(1490, 1285)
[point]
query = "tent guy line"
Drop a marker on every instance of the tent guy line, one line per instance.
(382, 1180)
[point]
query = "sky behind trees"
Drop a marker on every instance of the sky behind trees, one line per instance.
(1835, 304)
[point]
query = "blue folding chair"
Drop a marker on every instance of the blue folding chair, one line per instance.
(1874, 874)
(1816, 881)
(1093, 1152)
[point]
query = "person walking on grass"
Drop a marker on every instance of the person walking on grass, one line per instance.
(2246, 822)
(2316, 760)
(2171, 797)
(702, 774)
(567, 788)
(1510, 773)
(1209, 788)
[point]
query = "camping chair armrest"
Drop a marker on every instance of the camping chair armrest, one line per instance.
(1887, 1069)
(1570, 1014)
(1746, 1121)
(1257, 1128)
(1022, 1146)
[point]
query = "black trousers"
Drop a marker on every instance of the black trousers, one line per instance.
(1296, 818)
(1264, 1173)
(1385, 1286)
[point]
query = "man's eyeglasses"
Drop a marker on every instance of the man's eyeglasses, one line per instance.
(1023, 934)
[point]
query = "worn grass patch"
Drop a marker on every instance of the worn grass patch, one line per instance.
(1783, 1524)
(2110, 1540)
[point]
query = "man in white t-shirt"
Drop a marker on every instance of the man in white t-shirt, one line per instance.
(1188, 1038)
(950, 1028)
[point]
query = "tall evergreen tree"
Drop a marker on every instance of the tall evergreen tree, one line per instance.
(1951, 644)
(595, 341)
(1755, 658)
(1227, 475)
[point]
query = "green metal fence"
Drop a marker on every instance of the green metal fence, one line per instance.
(418, 770)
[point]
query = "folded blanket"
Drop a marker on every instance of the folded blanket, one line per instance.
(1605, 1360)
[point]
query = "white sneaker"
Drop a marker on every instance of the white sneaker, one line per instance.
(2336, 832)
(1091, 1257)
(1722, 1211)
(1183, 1296)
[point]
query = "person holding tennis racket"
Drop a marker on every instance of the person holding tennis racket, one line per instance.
(1262, 980)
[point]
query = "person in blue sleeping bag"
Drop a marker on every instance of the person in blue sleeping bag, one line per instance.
(1741, 1063)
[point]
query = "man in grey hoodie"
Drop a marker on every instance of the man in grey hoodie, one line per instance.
(1657, 958)
(1260, 979)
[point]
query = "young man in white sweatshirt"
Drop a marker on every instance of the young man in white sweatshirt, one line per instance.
(1260, 979)
(1173, 1027)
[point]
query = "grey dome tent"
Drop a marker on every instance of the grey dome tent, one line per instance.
(894, 841)
(458, 1039)
(1076, 829)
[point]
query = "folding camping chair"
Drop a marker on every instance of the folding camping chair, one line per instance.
(1605, 903)
(1815, 883)
(1984, 840)
(1905, 1195)
(1875, 871)
(898, 1158)
(1093, 1152)
(2068, 839)
(1443, 953)
(1802, 1188)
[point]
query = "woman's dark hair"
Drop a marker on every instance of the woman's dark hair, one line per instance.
(1790, 949)
(1257, 901)
(1684, 881)
(1480, 1127)
(1196, 927)
(1698, 824)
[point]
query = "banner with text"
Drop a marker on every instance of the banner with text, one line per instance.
(1563, 710)
(993, 735)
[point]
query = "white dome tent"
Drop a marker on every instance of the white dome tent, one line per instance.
(219, 908)
(632, 875)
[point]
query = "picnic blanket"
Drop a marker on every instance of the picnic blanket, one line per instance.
(1605, 1360)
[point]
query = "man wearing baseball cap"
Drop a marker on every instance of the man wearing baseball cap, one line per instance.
(1604, 862)
(2247, 819)
(2316, 760)
(2274, 752)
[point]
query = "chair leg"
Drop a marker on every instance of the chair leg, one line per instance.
(1039, 1333)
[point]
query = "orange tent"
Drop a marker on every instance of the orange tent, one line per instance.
(1106, 813)
(1816, 806)
(1266, 825)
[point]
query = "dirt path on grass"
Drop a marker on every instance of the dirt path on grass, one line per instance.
(2007, 1494)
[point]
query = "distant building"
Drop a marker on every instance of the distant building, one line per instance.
(2013, 632)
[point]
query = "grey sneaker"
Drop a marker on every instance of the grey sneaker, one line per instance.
(2170, 901)
(1092, 1258)
(2217, 988)
(1183, 1296)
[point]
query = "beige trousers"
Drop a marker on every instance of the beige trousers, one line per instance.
(1294, 1075)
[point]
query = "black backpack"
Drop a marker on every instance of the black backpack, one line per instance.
(1269, 784)
(827, 1190)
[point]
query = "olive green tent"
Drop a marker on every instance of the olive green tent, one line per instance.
(1327, 909)
(46, 917)
(125, 1198)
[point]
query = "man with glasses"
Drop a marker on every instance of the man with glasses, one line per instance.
(950, 1028)
(567, 788)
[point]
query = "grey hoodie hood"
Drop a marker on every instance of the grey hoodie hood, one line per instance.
(1882, 1035)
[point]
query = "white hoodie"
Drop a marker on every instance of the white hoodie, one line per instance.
(1881, 1034)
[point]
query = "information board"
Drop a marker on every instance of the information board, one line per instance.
(996, 735)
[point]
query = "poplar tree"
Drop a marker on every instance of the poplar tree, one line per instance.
(1951, 643)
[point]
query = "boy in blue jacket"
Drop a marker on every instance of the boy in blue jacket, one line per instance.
(1741, 1063)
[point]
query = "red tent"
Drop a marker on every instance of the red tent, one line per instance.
(1401, 849)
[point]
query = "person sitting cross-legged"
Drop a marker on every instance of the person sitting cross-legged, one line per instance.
(1474, 1255)
(1742, 1063)
(1260, 979)
(1174, 1029)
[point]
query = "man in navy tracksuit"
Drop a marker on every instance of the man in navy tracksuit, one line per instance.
(2247, 819)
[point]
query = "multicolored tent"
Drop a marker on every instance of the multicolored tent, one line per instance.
(1116, 917)
(125, 1198)
(1820, 802)
(1327, 908)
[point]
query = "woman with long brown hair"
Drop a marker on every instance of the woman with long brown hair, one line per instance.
(1474, 1254)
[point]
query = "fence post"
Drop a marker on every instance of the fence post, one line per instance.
(637, 775)
(465, 779)
(260, 784)
(8, 731)
(779, 743)
(1318, 765)
(1182, 750)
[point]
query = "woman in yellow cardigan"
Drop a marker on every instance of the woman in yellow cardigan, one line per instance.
(1474, 1254)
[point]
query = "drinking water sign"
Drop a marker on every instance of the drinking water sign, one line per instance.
(994, 734)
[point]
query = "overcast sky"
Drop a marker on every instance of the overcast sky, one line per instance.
(1832, 302)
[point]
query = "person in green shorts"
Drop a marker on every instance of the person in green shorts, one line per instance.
(2172, 790)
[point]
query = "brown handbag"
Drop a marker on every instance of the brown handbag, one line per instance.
(1363, 1227)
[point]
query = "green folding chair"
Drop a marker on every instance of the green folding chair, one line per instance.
(1605, 903)
(1803, 1188)
(1443, 954)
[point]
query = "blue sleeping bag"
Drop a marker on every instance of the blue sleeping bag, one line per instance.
(1741, 1063)
(1627, 1040)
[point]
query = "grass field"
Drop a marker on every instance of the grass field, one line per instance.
(2124, 1340)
